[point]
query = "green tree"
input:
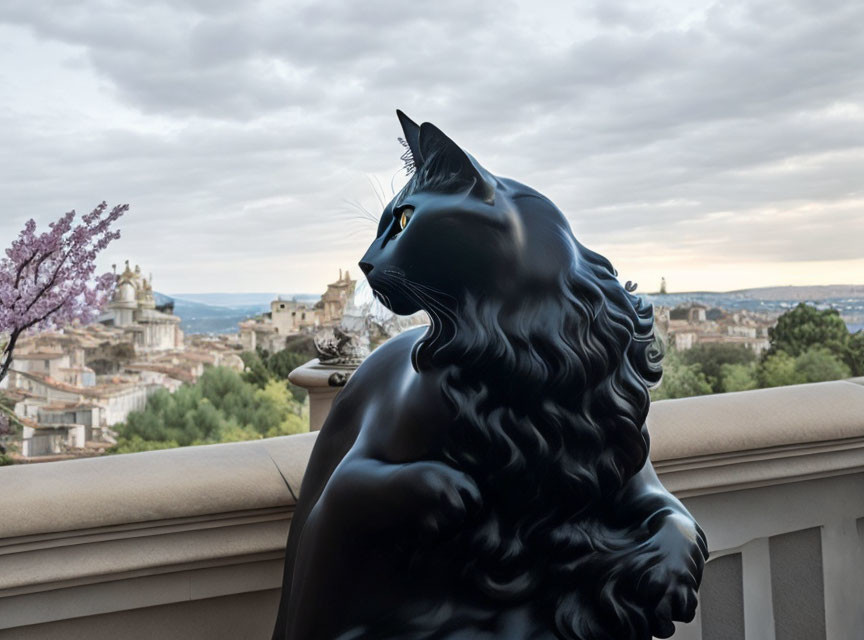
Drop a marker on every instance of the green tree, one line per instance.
(738, 377)
(806, 326)
(818, 364)
(136, 443)
(855, 353)
(680, 380)
(256, 372)
(713, 356)
(262, 366)
(283, 363)
(220, 407)
(778, 370)
(303, 345)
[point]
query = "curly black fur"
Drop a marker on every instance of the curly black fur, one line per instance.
(514, 441)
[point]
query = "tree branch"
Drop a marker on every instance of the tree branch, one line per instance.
(21, 270)
(40, 263)
(7, 352)
(47, 286)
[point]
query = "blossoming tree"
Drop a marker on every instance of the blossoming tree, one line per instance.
(48, 279)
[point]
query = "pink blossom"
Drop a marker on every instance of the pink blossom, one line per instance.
(48, 279)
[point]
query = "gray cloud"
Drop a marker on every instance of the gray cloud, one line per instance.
(237, 131)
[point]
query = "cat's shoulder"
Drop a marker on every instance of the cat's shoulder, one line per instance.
(391, 359)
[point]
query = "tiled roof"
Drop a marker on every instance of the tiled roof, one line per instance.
(39, 355)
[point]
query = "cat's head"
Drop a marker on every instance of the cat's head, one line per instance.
(455, 229)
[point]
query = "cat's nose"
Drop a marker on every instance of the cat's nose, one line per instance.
(366, 267)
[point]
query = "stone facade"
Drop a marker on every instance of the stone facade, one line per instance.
(133, 308)
(290, 316)
(688, 325)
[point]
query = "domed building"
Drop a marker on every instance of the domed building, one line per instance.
(133, 308)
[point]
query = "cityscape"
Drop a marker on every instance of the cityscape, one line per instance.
(71, 390)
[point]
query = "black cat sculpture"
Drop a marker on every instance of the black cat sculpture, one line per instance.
(487, 476)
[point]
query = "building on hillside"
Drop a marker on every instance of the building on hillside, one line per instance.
(290, 317)
(260, 333)
(133, 309)
(335, 299)
(688, 325)
(71, 386)
(116, 397)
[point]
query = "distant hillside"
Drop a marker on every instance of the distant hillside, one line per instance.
(220, 312)
(814, 293)
(241, 299)
(197, 317)
(791, 292)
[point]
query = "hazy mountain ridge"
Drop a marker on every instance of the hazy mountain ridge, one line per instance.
(786, 292)
(235, 300)
(803, 293)
(199, 317)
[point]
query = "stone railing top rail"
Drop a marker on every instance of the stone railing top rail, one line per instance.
(154, 485)
(749, 420)
(700, 445)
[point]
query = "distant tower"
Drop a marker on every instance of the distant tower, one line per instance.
(662, 286)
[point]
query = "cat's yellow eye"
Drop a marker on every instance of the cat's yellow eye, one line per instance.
(405, 218)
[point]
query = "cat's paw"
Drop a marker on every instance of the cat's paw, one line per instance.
(443, 498)
(676, 554)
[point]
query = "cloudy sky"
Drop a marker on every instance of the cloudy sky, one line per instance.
(718, 144)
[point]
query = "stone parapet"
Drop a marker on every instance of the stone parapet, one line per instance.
(188, 543)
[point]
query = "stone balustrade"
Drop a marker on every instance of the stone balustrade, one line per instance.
(188, 543)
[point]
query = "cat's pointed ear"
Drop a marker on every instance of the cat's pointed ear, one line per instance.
(434, 141)
(412, 137)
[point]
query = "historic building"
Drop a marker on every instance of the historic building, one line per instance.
(70, 386)
(290, 317)
(133, 308)
(687, 325)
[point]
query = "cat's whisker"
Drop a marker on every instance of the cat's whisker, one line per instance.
(378, 189)
(433, 307)
(431, 290)
(421, 293)
(363, 212)
(386, 303)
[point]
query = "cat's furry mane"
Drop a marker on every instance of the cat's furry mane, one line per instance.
(570, 398)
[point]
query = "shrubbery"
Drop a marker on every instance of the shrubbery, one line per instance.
(220, 407)
(807, 345)
(262, 366)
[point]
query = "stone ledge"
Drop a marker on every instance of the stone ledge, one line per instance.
(803, 423)
(78, 495)
(92, 537)
(753, 420)
(706, 434)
